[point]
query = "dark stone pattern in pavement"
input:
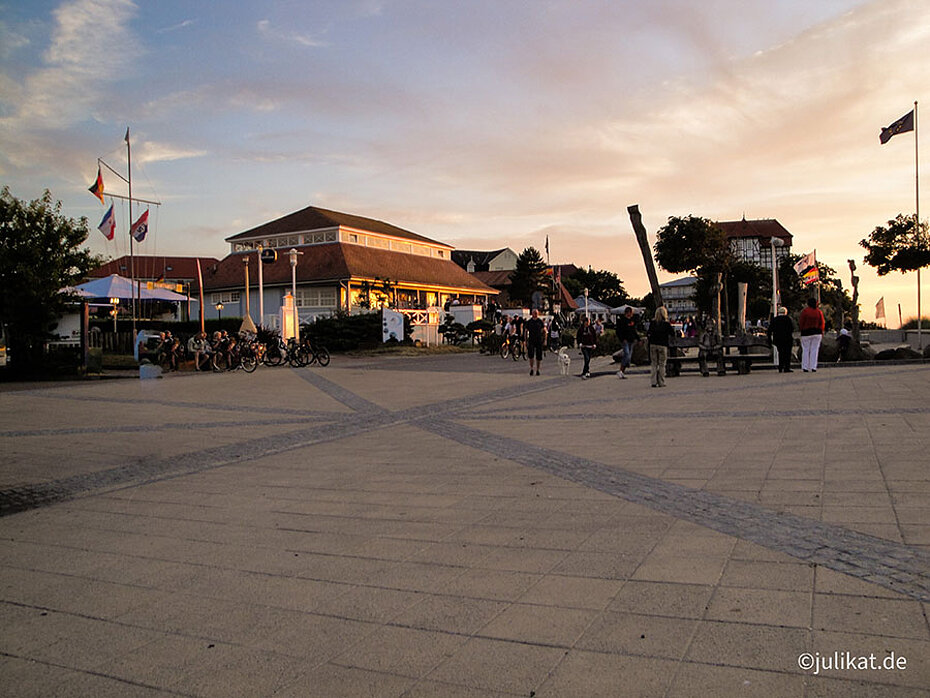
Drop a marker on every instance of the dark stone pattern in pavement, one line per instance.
(698, 414)
(367, 417)
(894, 566)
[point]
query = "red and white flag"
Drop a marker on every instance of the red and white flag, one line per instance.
(141, 227)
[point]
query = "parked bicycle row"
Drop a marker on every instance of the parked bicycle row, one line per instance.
(226, 352)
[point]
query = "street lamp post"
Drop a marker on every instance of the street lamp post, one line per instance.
(219, 310)
(776, 242)
(114, 302)
(293, 255)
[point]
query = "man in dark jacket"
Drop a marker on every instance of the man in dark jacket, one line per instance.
(781, 335)
(627, 334)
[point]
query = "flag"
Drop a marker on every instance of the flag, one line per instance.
(806, 262)
(902, 125)
(97, 188)
(127, 136)
(108, 224)
(547, 246)
(140, 227)
(810, 276)
(880, 309)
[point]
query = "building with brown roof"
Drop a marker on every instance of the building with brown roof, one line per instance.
(750, 241)
(345, 262)
(172, 270)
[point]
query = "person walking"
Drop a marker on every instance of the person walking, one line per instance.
(781, 335)
(628, 336)
(535, 331)
(587, 340)
(660, 332)
(812, 324)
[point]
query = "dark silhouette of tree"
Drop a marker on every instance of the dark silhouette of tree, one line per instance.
(528, 277)
(39, 255)
(601, 284)
(897, 246)
(691, 243)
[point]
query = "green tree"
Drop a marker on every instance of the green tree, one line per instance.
(604, 285)
(691, 243)
(897, 246)
(39, 255)
(529, 276)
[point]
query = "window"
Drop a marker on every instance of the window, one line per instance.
(224, 297)
(316, 297)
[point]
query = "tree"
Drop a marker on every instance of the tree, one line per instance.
(529, 276)
(601, 284)
(39, 255)
(897, 246)
(690, 243)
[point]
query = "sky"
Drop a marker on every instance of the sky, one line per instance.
(479, 123)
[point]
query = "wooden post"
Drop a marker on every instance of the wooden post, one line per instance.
(642, 238)
(855, 301)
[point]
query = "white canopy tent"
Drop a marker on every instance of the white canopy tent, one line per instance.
(621, 309)
(116, 286)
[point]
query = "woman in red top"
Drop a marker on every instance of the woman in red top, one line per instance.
(811, 324)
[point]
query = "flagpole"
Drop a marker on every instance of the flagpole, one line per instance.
(132, 258)
(917, 237)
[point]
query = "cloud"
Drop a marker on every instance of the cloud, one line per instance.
(150, 151)
(274, 34)
(91, 46)
(175, 27)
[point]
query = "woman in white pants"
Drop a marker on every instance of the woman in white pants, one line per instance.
(811, 323)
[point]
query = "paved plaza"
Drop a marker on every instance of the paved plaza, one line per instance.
(450, 526)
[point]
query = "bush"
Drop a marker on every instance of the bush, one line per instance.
(343, 332)
(911, 324)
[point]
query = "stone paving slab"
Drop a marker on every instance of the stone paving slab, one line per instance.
(482, 532)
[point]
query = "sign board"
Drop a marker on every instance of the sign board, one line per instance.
(392, 325)
(269, 256)
(177, 288)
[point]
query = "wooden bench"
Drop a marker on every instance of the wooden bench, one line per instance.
(741, 362)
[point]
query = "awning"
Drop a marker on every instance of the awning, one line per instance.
(116, 286)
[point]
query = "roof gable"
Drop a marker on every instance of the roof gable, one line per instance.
(340, 261)
(315, 218)
(763, 228)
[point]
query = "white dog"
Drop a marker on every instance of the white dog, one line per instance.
(564, 361)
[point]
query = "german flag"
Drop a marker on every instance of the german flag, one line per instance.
(97, 188)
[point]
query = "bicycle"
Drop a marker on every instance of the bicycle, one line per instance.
(317, 353)
(512, 347)
(275, 353)
(298, 355)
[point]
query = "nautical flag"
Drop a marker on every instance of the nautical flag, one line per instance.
(108, 224)
(902, 125)
(140, 227)
(806, 262)
(97, 188)
(880, 309)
